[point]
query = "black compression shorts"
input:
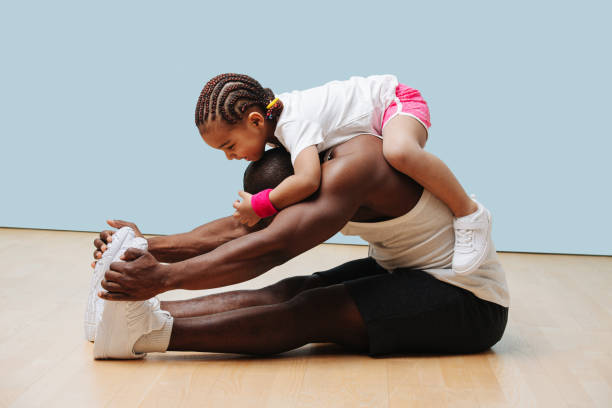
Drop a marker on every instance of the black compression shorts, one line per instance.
(410, 311)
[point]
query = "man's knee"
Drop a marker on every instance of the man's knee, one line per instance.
(288, 288)
(329, 314)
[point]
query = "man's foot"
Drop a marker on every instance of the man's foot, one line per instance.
(93, 312)
(472, 234)
(124, 323)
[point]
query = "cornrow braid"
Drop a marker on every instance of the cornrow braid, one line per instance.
(230, 95)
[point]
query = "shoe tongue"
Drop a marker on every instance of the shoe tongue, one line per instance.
(470, 221)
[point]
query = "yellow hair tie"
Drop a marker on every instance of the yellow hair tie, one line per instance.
(271, 104)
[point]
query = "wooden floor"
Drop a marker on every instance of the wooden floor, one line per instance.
(557, 350)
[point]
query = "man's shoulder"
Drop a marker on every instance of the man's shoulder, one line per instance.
(364, 148)
(357, 161)
(360, 171)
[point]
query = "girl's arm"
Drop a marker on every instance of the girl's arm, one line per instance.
(302, 184)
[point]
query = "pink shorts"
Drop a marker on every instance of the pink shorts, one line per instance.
(411, 103)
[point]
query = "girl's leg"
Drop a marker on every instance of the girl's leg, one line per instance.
(403, 140)
(238, 299)
(326, 314)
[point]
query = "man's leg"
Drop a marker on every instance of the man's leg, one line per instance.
(238, 299)
(324, 314)
(276, 293)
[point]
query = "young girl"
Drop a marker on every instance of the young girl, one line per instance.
(235, 114)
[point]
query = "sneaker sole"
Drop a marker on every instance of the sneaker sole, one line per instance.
(93, 312)
(484, 253)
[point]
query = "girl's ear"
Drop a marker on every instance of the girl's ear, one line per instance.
(256, 118)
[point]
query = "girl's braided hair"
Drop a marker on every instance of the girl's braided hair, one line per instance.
(230, 95)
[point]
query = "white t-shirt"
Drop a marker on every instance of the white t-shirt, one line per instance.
(333, 113)
(424, 239)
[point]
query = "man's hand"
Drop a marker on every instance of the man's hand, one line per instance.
(140, 277)
(244, 210)
(106, 236)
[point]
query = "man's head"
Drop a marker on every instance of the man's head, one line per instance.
(268, 172)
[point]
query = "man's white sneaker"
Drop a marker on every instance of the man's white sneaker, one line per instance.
(122, 240)
(93, 311)
(123, 323)
(472, 234)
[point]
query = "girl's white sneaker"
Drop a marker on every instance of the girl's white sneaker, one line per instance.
(472, 237)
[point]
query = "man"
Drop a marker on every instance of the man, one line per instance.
(404, 298)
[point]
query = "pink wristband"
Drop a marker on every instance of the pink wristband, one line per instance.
(262, 205)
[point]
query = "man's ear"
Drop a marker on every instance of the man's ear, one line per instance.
(256, 118)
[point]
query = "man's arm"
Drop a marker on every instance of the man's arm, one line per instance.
(203, 239)
(347, 184)
(294, 230)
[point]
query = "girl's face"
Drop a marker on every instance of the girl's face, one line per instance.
(245, 140)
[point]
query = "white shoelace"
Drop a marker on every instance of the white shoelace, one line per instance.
(465, 240)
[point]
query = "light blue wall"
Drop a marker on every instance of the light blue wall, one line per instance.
(97, 101)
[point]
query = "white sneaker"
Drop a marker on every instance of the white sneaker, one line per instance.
(95, 305)
(122, 240)
(123, 323)
(472, 234)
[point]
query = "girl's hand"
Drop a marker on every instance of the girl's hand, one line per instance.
(244, 210)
